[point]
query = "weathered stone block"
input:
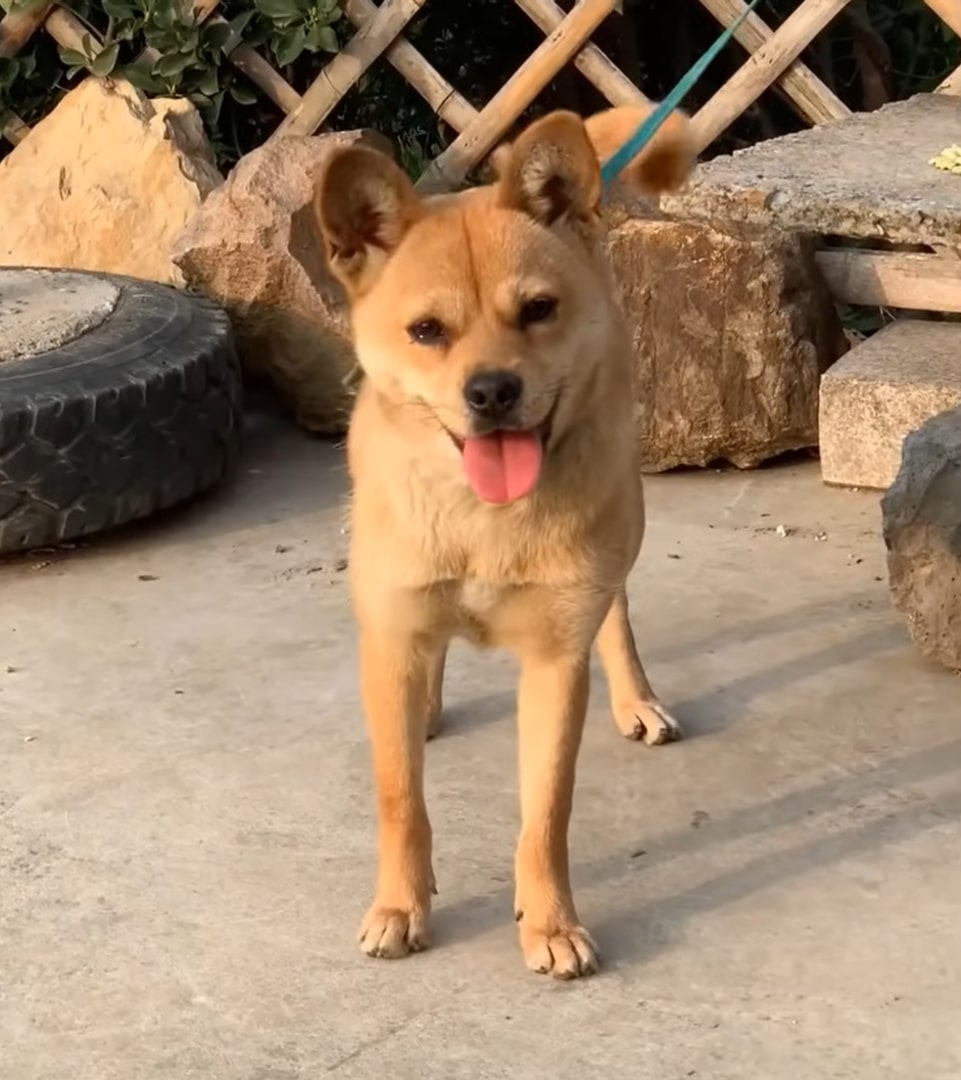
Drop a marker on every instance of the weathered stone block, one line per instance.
(882, 390)
(866, 176)
(254, 247)
(922, 531)
(732, 331)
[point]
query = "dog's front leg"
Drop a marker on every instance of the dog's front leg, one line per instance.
(394, 676)
(551, 707)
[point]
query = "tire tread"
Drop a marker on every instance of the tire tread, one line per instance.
(78, 454)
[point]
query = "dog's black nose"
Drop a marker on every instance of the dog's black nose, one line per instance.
(490, 395)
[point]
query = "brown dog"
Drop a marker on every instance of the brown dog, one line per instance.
(496, 488)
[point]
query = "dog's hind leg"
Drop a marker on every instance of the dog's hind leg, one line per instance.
(435, 692)
(637, 711)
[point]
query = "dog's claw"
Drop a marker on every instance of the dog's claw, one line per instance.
(647, 721)
(565, 954)
(391, 933)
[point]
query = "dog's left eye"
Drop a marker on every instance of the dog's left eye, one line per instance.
(537, 310)
(427, 332)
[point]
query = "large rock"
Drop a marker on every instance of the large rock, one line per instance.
(732, 330)
(255, 248)
(922, 531)
(105, 182)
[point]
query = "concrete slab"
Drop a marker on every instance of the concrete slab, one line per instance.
(881, 391)
(186, 831)
(867, 176)
(41, 310)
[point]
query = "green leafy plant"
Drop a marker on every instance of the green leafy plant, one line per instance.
(159, 47)
(290, 27)
(185, 59)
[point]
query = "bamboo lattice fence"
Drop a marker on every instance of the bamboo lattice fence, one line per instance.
(773, 63)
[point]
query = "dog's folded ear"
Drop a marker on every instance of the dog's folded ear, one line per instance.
(551, 172)
(365, 203)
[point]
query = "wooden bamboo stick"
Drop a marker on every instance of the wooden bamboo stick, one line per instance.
(249, 62)
(17, 27)
(450, 167)
(892, 279)
(68, 31)
(348, 65)
(952, 84)
(450, 106)
(12, 128)
(949, 11)
(770, 61)
(590, 61)
(815, 101)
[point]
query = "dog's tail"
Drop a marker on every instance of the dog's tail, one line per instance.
(664, 163)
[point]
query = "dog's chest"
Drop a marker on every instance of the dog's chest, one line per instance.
(486, 612)
(478, 599)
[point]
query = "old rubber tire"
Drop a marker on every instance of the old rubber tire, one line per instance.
(137, 413)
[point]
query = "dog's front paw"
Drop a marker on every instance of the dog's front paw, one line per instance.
(647, 720)
(567, 953)
(393, 932)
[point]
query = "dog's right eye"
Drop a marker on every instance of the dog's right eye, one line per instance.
(427, 332)
(537, 310)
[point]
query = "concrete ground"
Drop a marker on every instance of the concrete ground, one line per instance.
(186, 821)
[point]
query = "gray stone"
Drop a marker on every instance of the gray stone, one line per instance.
(254, 247)
(922, 532)
(731, 331)
(40, 310)
(866, 176)
(881, 391)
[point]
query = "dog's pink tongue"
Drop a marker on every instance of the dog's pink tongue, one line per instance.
(503, 466)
